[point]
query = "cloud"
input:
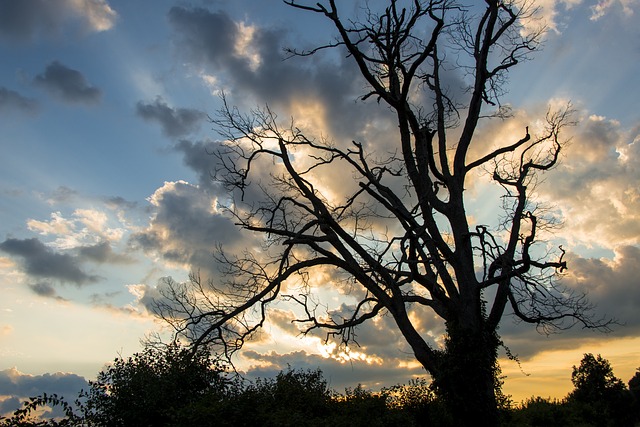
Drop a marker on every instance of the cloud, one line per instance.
(40, 261)
(9, 404)
(604, 7)
(198, 27)
(68, 243)
(117, 202)
(12, 101)
(596, 187)
(16, 386)
(57, 225)
(197, 156)
(43, 289)
(102, 253)
(98, 14)
(85, 227)
(339, 375)
(27, 20)
(593, 189)
(249, 61)
(186, 226)
(549, 10)
(147, 296)
(67, 84)
(175, 122)
(611, 285)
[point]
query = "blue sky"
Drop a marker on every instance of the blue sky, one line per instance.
(105, 189)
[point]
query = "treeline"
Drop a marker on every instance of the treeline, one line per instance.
(174, 387)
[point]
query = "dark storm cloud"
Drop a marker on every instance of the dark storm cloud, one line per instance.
(612, 287)
(175, 122)
(186, 228)
(261, 72)
(43, 289)
(10, 404)
(198, 156)
(12, 101)
(26, 20)
(102, 253)
(19, 386)
(209, 39)
(67, 84)
(38, 260)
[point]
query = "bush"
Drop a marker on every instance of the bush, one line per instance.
(176, 387)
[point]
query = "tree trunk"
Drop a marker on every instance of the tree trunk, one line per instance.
(466, 379)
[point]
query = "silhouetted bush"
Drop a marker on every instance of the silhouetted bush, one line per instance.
(541, 412)
(175, 387)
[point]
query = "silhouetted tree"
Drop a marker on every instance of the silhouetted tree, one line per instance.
(594, 379)
(602, 399)
(150, 388)
(634, 388)
(426, 258)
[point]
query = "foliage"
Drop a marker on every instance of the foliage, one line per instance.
(292, 398)
(171, 387)
(146, 389)
(594, 380)
(27, 415)
(418, 402)
(149, 387)
(540, 412)
(599, 394)
(634, 389)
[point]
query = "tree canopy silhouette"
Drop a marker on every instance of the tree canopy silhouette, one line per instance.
(172, 386)
(600, 395)
(401, 235)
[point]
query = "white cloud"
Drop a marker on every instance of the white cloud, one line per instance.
(243, 45)
(85, 226)
(98, 14)
(604, 7)
(550, 11)
(596, 186)
(57, 225)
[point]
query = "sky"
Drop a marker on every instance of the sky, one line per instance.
(105, 181)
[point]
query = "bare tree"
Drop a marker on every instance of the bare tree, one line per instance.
(428, 258)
